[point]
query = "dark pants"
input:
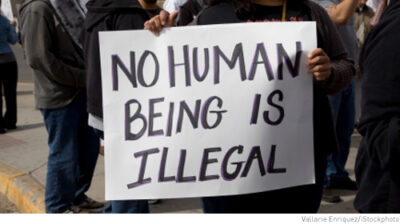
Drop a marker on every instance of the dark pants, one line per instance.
(124, 206)
(343, 106)
(8, 82)
(302, 199)
(74, 148)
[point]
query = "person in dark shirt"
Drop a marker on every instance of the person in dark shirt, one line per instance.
(59, 91)
(377, 165)
(110, 15)
(332, 72)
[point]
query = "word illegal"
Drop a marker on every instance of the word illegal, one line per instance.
(241, 168)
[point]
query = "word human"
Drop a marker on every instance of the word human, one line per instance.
(229, 169)
(192, 71)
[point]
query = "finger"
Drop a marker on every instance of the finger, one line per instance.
(315, 69)
(151, 27)
(172, 17)
(154, 29)
(157, 24)
(320, 68)
(164, 17)
(318, 60)
(147, 25)
(316, 52)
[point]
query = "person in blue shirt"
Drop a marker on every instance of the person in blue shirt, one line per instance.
(8, 74)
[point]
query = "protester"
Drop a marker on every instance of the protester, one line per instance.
(332, 72)
(9, 74)
(343, 103)
(377, 165)
(59, 77)
(110, 15)
(364, 15)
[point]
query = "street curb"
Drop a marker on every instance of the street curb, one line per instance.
(21, 189)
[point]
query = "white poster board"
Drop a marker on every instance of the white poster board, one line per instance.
(207, 110)
(6, 9)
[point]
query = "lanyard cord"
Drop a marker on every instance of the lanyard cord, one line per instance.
(284, 11)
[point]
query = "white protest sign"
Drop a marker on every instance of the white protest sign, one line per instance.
(6, 9)
(207, 110)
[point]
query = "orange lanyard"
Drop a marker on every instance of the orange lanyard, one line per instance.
(284, 11)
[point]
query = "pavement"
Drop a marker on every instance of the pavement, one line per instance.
(24, 151)
(6, 206)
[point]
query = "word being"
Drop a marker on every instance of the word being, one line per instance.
(199, 114)
(240, 168)
(134, 71)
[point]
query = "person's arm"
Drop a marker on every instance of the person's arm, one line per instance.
(37, 37)
(342, 72)
(342, 12)
(342, 68)
(12, 37)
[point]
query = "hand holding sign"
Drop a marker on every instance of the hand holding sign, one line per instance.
(319, 64)
(164, 19)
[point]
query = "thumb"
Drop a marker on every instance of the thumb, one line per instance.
(164, 16)
(172, 17)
